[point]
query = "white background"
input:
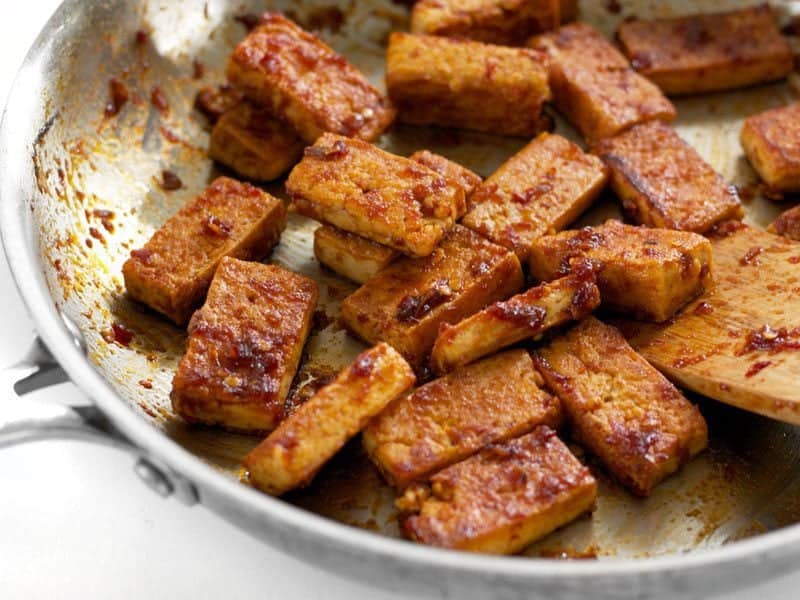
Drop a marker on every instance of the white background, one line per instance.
(75, 522)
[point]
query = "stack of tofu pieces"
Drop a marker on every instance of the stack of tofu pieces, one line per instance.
(442, 255)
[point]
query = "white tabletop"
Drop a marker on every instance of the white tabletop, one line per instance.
(76, 523)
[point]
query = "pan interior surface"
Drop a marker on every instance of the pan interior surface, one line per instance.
(97, 197)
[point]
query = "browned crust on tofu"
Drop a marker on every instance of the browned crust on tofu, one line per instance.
(771, 141)
(464, 84)
(524, 316)
(594, 86)
(173, 270)
(644, 273)
(319, 428)
(787, 224)
(254, 144)
(453, 417)
(245, 345)
(406, 302)
(448, 168)
(624, 411)
(581, 43)
(540, 190)
(214, 102)
(349, 255)
(388, 199)
(504, 498)
(303, 81)
(507, 22)
(663, 182)
(708, 52)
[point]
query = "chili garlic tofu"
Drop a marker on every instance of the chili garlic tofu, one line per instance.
(524, 316)
(406, 303)
(448, 168)
(464, 84)
(349, 255)
(388, 199)
(771, 142)
(708, 52)
(502, 499)
(644, 273)
(302, 81)
(622, 409)
(594, 86)
(320, 427)
(787, 224)
(506, 22)
(540, 190)
(453, 417)
(663, 182)
(173, 270)
(244, 347)
(254, 144)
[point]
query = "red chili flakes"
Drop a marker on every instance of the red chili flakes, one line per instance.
(751, 257)
(118, 96)
(756, 368)
(159, 100)
(614, 7)
(119, 334)
(216, 226)
(169, 135)
(704, 308)
(141, 37)
(170, 181)
(771, 340)
(146, 384)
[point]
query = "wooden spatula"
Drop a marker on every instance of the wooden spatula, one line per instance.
(740, 342)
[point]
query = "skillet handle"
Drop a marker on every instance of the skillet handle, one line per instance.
(22, 421)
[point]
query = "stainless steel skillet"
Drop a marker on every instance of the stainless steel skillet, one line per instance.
(727, 521)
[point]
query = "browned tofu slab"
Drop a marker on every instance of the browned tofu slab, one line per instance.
(642, 273)
(451, 418)
(708, 52)
(349, 255)
(171, 274)
(452, 170)
(502, 499)
(787, 224)
(594, 87)
(407, 302)
(771, 142)
(524, 316)
(214, 102)
(245, 345)
(319, 428)
(301, 80)
(663, 182)
(740, 342)
(507, 22)
(626, 413)
(254, 144)
(459, 83)
(540, 190)
(388, 199)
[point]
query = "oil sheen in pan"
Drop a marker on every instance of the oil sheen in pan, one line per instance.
(99, 180)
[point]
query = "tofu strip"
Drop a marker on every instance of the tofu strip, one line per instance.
(524, 316)
(450, 418)
(245, 345)
(173, 270)
(319, 428)
(502, 499)
(626, 413)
